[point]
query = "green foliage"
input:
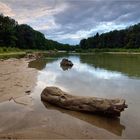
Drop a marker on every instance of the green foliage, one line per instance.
(54, 45)
(13, 35)
(9, 49)
(128, 39)
(7, 31)
(29, 38)
(25, 37)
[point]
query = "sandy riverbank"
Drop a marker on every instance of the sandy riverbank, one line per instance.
(16, 79)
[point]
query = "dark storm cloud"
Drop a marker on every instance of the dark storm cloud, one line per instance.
(71, 20)
(86, 14)
(96, 15)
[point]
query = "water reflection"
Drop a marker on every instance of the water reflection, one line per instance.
(98, 121)
(82, 79)
(40, 63)
(128, 64)
(64, 68)
(87, 79)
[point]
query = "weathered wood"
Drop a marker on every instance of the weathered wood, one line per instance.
(111, 107)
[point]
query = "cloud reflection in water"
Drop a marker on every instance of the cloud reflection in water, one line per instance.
(82, 79)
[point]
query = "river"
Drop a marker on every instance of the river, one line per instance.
(99, 75)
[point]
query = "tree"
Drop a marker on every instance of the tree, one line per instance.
(83, 44)
(127, 38)
(24, 37)
(7, 31)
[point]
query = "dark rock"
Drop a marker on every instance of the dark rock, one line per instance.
(66, 62)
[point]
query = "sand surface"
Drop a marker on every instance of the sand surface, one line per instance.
(16, 80)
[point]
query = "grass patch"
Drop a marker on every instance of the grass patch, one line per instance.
(108, 50)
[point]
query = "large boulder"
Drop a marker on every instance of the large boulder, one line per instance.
(66, 62)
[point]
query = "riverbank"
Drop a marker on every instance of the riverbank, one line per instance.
(108, 50)
(12, 53)
(22, 53)
(122, 52)
(16, 79)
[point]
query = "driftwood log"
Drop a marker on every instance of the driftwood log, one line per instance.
(108, 107)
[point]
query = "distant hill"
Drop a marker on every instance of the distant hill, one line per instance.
(128, 38)
(24, 37)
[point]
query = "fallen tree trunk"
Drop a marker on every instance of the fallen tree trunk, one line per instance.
(111, 107)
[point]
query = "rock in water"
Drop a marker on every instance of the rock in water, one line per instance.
(66, 62)
(107, 107)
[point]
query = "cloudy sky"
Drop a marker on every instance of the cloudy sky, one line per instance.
(68, 21)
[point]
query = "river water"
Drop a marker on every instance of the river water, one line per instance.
(100, 75)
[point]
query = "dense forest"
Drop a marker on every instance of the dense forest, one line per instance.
(24, 37)
(128, 38)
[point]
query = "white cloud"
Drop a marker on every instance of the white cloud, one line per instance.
(6, 10)
(47, 24)
(29, 16)
(102, 27)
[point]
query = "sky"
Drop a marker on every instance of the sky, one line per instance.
(69, 21)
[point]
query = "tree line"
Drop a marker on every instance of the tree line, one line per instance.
(24, 37)
(128, 38)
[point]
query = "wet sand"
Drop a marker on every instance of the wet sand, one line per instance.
(16, 79)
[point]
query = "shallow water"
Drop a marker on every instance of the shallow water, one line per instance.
(102, 75)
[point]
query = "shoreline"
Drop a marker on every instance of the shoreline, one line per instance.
(22, 53)
(122, 52)
(16, 78)
(12, 53)
(92, 53)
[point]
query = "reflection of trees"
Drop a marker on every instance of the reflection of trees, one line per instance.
(125, 63)
(110, 124)
(40, 63)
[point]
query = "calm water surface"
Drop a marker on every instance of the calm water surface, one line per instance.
(102, 75)
(109, 76)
